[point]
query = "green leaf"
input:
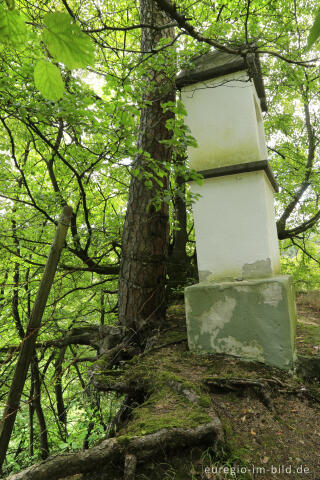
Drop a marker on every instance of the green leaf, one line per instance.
(66, 42)
(148, 183)
(63, 445)
(314, 32)
(12, 27)
(47, 78)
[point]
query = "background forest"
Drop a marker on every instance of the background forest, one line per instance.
(72, 94)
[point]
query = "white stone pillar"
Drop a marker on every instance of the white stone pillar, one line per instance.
(249, 309)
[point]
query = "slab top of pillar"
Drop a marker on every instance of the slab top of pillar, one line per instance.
(217, 64)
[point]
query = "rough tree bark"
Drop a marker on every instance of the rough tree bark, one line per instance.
(145, 236)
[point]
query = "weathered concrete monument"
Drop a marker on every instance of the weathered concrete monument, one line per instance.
(242, 305)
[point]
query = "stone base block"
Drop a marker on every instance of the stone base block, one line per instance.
(252, 319)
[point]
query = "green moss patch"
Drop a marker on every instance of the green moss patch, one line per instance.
(172, 402)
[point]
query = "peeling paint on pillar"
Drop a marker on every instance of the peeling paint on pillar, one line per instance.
(253, 321)
(258, 269)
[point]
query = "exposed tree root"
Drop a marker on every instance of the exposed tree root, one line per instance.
(130, 466)
(260, 386)
(237, 384)
(126, 450)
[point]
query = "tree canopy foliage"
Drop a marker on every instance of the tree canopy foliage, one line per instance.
(72, 92)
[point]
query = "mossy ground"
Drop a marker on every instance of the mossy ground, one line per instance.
(286, 437)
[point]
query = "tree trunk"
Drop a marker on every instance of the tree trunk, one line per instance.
(35, 376)
(145, 237)
(31, 417)
(2, 290)
(180, 265)
(61, 409)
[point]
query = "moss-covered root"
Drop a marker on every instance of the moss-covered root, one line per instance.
(134, 449)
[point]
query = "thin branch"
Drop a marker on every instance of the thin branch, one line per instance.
(68, 8)
(277, 152)
(302, 63)
(220, 12)
(131, 27)
(304, 250)
(111, 292)
(246, 22)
